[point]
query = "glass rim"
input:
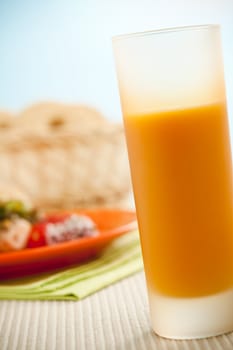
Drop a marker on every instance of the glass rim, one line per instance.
(165, 31)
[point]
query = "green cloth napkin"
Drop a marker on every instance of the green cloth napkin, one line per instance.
(120, 259)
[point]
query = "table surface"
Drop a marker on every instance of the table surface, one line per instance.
(114, 318)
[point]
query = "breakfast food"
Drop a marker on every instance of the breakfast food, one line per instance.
(6, 120)
(22, 226)
(16, 217)
(65, 156)
(59, 118)
(61, 228)
(14, 234)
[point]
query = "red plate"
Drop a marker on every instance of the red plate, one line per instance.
(111, 224)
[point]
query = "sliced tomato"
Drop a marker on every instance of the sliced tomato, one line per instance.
(37, 235)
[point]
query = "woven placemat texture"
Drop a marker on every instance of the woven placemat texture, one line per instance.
(116, 318)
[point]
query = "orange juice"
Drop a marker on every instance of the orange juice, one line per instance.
(182, 177)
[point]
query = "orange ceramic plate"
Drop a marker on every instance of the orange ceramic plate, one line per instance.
(111, 224)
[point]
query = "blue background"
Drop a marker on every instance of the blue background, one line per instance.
(61, 49)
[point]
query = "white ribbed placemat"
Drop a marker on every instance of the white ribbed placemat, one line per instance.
(114, 318)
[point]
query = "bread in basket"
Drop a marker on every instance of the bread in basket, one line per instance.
(64, 156)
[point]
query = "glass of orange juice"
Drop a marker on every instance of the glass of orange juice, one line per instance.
(172, 92)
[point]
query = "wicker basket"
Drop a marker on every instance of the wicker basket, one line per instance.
(67, 161)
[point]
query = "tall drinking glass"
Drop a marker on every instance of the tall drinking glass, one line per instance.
(173, 100)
